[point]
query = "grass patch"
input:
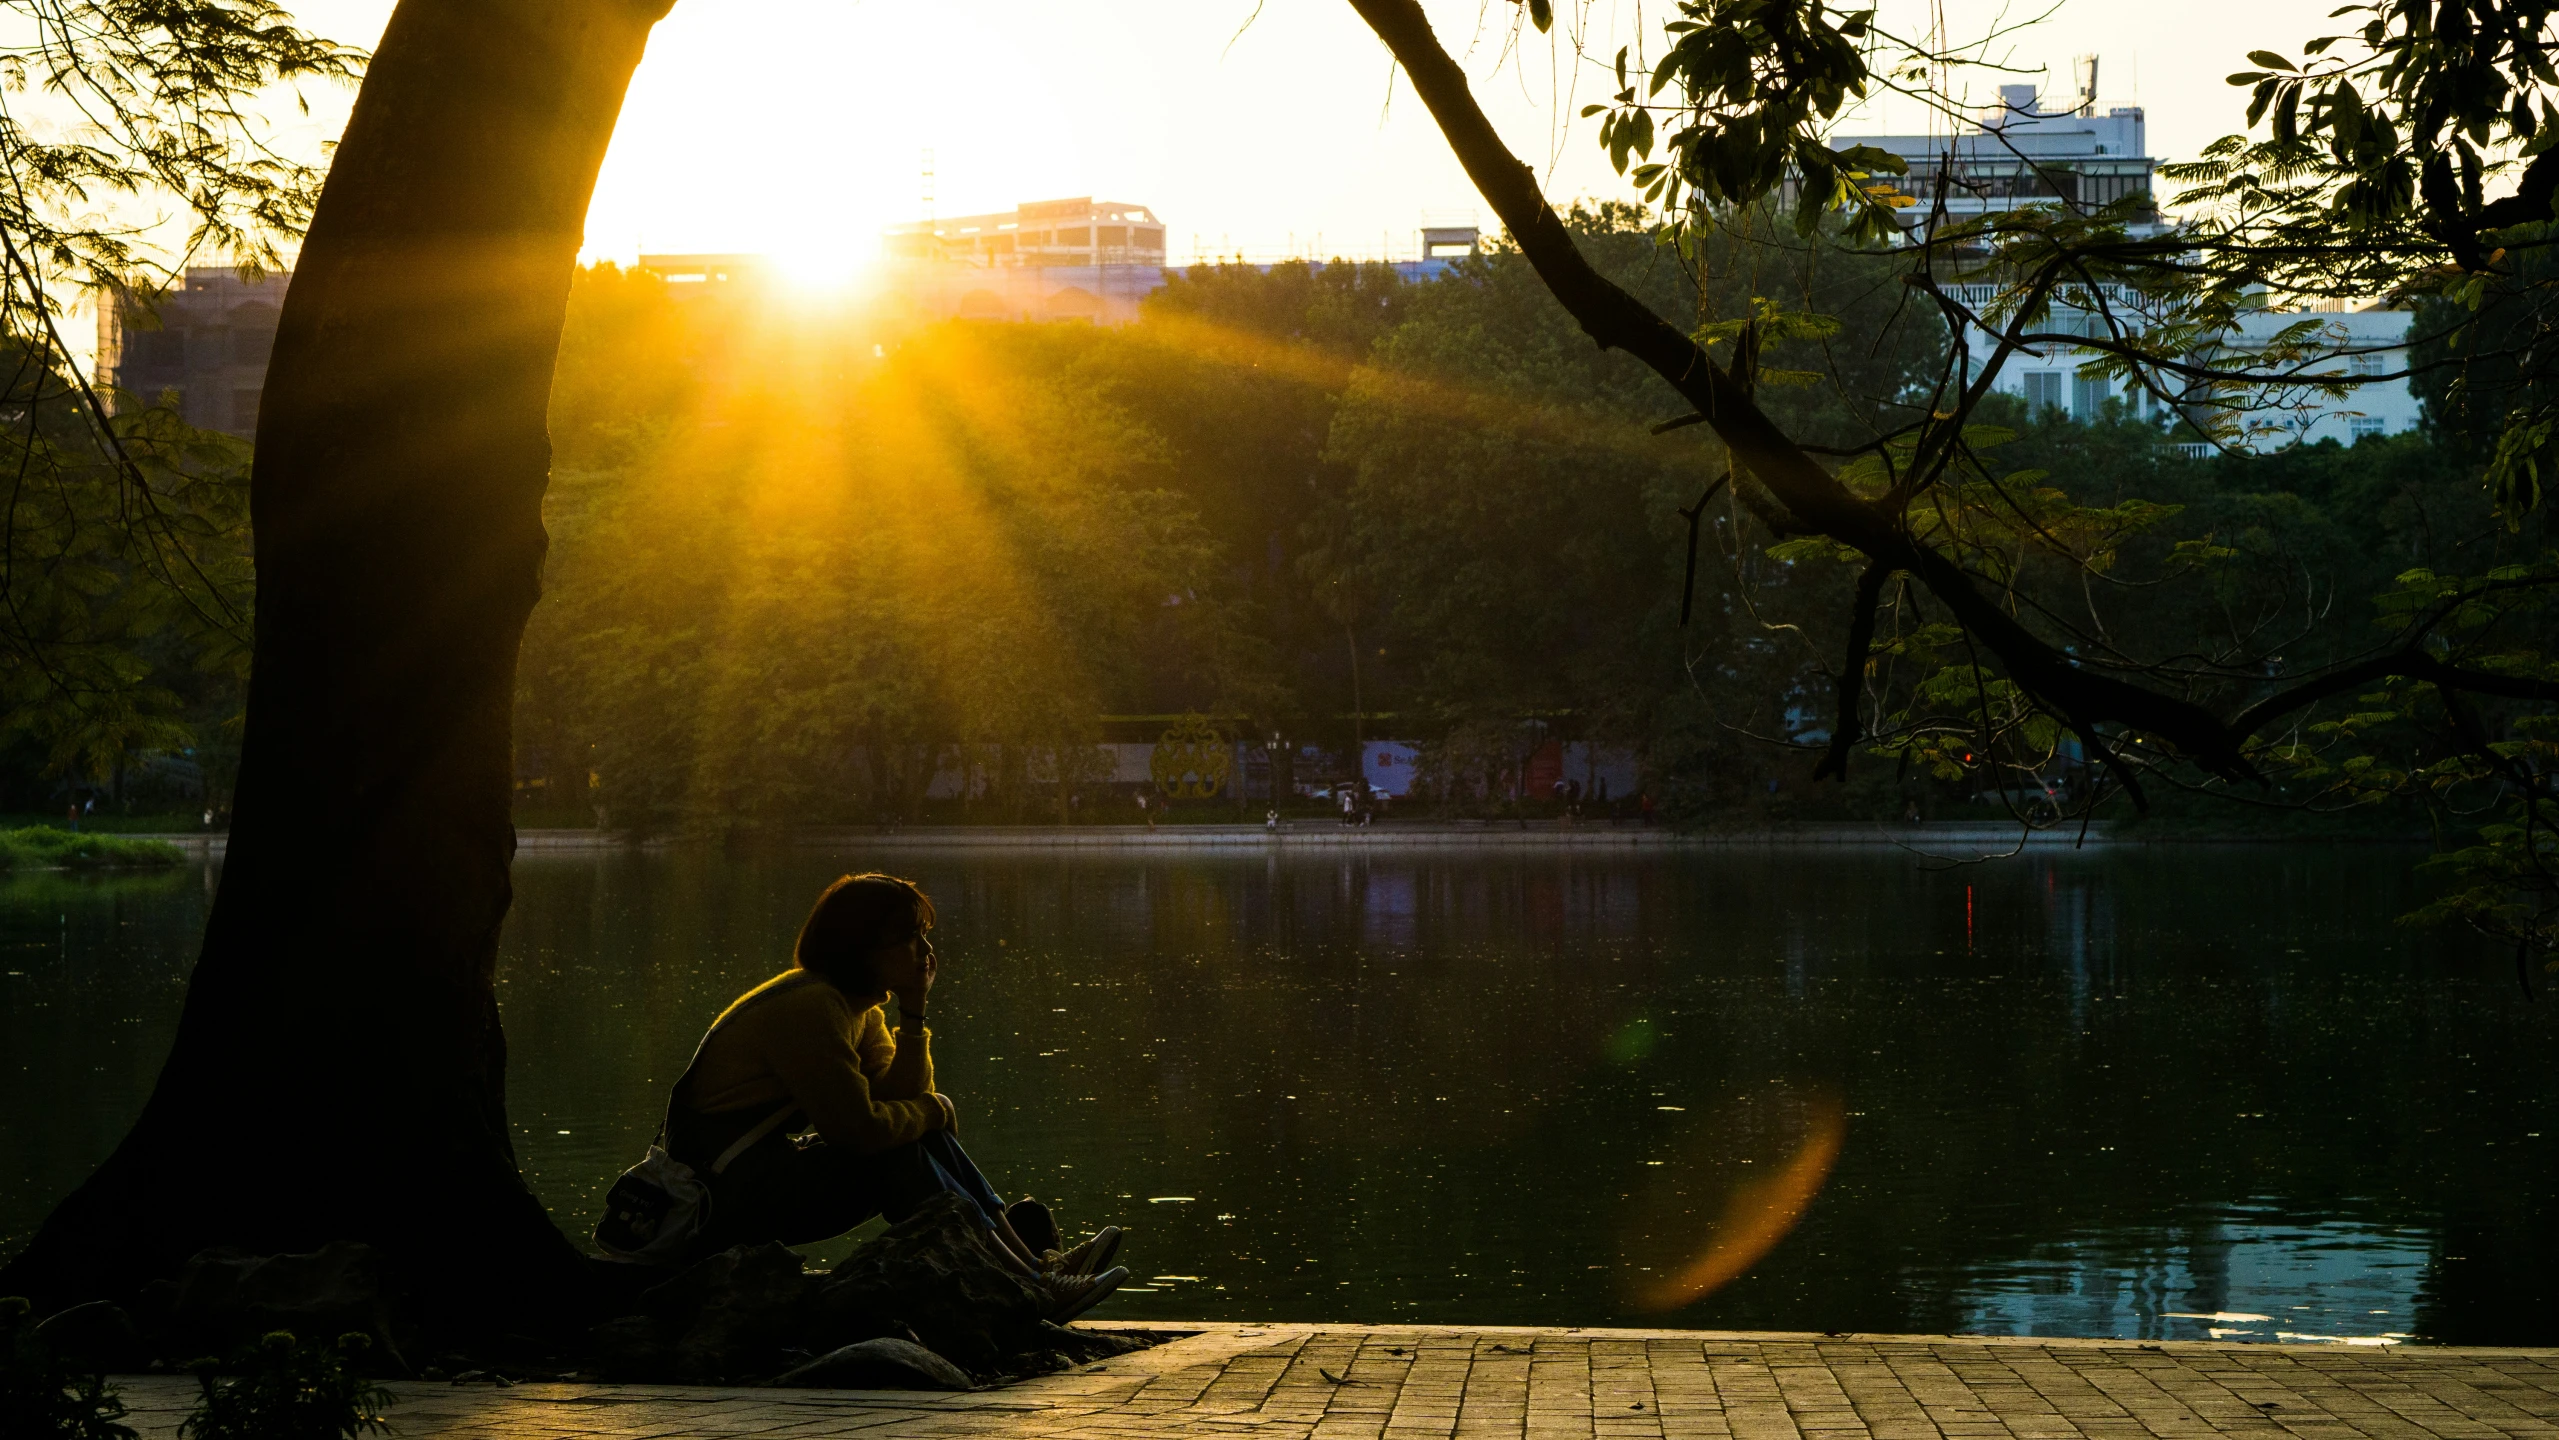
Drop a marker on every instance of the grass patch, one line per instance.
(188, 822)
(42, 847)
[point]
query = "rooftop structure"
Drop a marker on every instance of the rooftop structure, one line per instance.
(704, 274)
(203, 344)
(2024, 154)
(1443, 242)
(1077, 232)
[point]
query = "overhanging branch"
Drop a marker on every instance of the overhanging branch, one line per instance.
(1847, 728)
(1616, 320)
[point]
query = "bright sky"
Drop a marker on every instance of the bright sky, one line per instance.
(801, 126)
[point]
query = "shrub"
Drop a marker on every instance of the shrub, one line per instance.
(283, 1389)
(38, 1399)
(42, 847)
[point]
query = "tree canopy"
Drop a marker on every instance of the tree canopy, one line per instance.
(131, 141)
(2405, 160)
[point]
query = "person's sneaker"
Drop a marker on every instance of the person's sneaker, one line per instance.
(1072, 1295)
(1094, 1254)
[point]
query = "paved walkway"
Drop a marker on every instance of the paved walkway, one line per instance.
(1297, 1382)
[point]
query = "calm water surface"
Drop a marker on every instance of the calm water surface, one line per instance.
(2164, 1094)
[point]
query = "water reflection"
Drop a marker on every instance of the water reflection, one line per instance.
(2249, 1275)
(2099, 1094)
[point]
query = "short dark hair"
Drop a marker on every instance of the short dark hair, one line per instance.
(853, 917)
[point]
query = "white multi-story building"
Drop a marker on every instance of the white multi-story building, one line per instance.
(2356, 347)
(2024, 154)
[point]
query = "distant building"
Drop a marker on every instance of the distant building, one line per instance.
(709, 274)
(203, 344)
(2023, 154)
(1448, 242)
(1080, 232)
(1079, 259)
(2057, 377)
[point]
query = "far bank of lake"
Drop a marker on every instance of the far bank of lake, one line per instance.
(1952, 840)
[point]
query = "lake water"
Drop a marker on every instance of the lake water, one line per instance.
(2158, 1093)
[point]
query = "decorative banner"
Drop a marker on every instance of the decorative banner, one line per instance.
(1192, 761)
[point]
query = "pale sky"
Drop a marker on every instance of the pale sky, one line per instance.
(800, 126)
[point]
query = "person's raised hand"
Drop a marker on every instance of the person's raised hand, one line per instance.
(906, 971)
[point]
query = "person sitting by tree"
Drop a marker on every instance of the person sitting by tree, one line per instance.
(812, 1047)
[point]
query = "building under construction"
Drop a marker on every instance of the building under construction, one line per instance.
(1078, 232)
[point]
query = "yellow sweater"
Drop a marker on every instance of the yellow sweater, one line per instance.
(812, 1046)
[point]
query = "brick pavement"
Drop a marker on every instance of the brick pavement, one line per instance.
(1337, 1382)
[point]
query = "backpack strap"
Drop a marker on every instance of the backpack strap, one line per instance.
(746, 1142)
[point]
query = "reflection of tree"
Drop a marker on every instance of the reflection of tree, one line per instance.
(96, 966)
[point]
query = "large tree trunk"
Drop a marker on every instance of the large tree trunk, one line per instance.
(339, 1072)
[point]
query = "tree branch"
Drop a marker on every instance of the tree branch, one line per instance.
(1844, 732)
(1616, 320)
(2406, 664)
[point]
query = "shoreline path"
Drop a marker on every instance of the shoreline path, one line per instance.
(1353, 1382)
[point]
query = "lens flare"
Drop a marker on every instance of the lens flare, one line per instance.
(1767, 1157)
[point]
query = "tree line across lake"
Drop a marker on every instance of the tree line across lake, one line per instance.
(801, 562)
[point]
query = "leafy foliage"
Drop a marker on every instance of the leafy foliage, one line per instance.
(167, 94)
(287, 1389)
(126, 575)
(41, 847)
(39, 1399)
(772, 602)
(1754, 85)
(2382, 147)
(123, 560)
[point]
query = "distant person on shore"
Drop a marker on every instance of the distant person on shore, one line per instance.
(812, 1047)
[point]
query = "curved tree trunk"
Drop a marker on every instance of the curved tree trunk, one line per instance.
(339, 1071)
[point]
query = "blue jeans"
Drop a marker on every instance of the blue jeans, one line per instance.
(801, 1192)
